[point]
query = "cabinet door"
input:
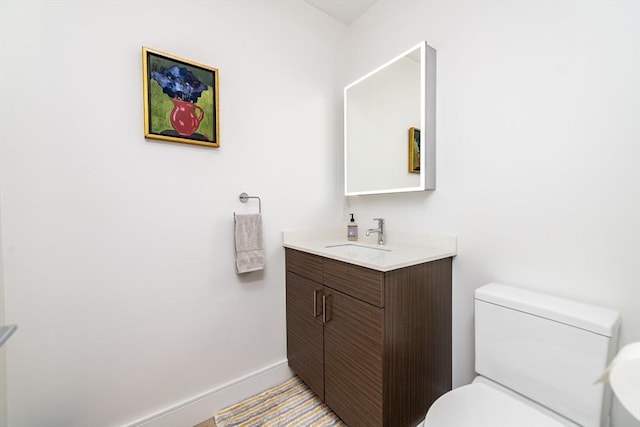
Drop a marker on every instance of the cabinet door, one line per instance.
(304, 331)
(353, 347)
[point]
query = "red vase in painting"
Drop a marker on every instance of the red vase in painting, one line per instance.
(185, 117)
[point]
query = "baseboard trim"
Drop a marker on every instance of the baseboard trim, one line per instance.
(200, 408)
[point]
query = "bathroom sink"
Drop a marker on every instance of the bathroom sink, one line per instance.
(355, 251)
(405, 250)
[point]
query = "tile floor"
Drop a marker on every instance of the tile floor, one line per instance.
(207, 423)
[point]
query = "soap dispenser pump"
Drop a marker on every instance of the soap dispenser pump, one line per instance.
(352, 229)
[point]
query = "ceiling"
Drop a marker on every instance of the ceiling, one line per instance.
(346, 11)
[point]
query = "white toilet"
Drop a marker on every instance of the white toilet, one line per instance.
(538, 358)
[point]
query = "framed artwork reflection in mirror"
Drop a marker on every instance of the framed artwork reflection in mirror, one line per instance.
(414, 150)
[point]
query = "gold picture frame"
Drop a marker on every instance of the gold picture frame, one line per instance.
(180, 100)
(414, 150)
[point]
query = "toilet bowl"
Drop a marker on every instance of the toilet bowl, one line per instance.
(487, 404)
(538, 358)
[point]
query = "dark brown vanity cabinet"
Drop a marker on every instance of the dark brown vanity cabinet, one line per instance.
(375, 346)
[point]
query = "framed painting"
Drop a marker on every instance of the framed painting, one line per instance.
(414, 150)
(180, 100)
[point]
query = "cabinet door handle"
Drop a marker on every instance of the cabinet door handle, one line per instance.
(324, 308)
(315, 303)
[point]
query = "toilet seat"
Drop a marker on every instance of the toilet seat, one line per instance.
(482, 405)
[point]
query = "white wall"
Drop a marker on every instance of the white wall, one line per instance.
(118, 252)
(538, 148)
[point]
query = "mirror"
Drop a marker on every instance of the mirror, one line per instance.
(389, 128)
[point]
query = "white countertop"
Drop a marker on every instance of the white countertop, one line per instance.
(401, 250)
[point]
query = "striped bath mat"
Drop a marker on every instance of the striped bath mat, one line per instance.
(289, 404)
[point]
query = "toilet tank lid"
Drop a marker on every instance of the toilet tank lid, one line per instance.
(590, 317)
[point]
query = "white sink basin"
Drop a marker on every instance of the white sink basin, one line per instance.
(357, 251)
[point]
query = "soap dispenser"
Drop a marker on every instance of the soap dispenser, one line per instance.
(352, 229)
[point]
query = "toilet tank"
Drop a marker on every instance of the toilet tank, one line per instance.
(549, 349)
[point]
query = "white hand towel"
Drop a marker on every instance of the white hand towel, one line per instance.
(248, 236)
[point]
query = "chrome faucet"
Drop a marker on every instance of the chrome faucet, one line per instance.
(379, 230)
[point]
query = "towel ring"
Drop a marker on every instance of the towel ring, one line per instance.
(244, 198)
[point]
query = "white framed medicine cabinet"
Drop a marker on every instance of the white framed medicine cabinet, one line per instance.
(382, 110)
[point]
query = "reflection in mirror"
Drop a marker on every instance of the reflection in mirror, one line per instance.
(387, 148)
